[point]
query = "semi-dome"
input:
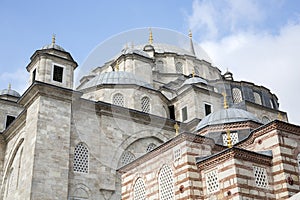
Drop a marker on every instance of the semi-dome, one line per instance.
(194, 80)
(10, 92)
(115, 77)
(225, 116)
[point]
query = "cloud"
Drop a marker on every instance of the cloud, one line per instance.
(261, 56)
(18, 80)
(213, 19)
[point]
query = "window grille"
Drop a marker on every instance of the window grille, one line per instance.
(257, 98)
(179, 68)
(127, 157)
(237, 95)
(118, 99)
(81, 158)
(261, 178)
(177, 154)
(233, 136)
(166, 183)
(139, 192)
(145, 104)
(150, 147)
(212, 181)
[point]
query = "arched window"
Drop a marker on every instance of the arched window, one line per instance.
(179, 68)
(150, 147)
(265, 120)
(127, 157)
(257, 98)
(160, 66)
(139, 191)
(237, 95)
(166, 183)
(118, 99)
(81, 158)
(145, 104)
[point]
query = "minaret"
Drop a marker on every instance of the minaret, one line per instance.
(53, 65)
(192, 50)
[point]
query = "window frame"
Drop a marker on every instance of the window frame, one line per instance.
(184, 114)
(53, 72)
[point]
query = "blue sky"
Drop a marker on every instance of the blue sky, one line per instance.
(257, 40)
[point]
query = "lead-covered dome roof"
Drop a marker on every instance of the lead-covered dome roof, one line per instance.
(194, 80)
(115, 77)
(225, 116)
(9, 92)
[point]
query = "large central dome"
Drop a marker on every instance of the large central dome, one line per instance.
(225, 116)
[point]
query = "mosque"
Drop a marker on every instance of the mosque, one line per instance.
(157, 121)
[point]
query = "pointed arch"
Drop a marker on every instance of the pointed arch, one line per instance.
(139, 190)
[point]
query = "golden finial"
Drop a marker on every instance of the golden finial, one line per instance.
(176, 127)
(117, 66)
(193, 73)
(190, 34)
(53, 38)
(9, 86)
(132, 45)
(150, 36)
(225, 100)
(229, 142)
(280, 116)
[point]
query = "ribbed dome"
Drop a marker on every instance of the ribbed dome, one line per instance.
(9, 92)
(115, 77)
(194, 80)
(53, 46)
(224, 116)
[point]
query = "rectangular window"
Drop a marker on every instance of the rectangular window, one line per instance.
(177, 154)
(9, 120)
(33, 75)
(207, 108)
(184, 113)
(172, 112)
(261, 178)
(58, 73)
(212, 181)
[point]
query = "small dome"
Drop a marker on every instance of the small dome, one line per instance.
(115, 77)
(9, 92)
(225, 116)
(53, 46)
(194, 80)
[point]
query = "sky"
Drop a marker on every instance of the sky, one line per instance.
(257, 40)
